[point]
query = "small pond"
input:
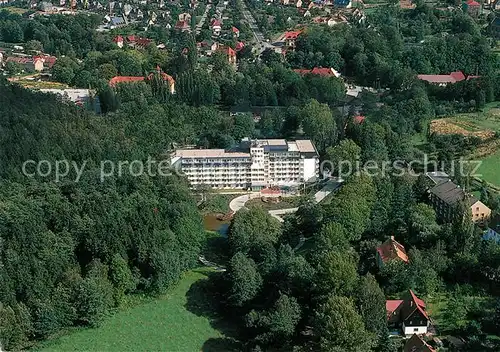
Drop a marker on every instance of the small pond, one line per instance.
(211, 223)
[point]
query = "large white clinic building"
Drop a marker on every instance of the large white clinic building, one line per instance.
(255, 164)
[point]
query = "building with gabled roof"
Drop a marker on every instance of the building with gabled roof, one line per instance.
(391, 250)
(320, 71)
(113, 82)
(445, 198)
(236, 31)
(443, 80)
(119, 41)
(417, 344)
(493, 230)
(409, 314)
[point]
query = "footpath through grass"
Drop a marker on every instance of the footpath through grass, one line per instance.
(164, 324)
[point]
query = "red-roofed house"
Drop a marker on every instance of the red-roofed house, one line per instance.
(124, 79)
(33, 63)
(417, 344)
(290, 38)
(391, 250)
(409, 314)
(239, 46)
(182, 26)
(134, 79)
(231, 54)
(443, 80)
(236, 32)
(320, 71)
(119, 41)
(472, 7)
(216, 26)
(359, 119)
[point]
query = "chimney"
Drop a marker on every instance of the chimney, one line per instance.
(392, 238)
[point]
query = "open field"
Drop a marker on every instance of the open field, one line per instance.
(467, 125)
(490, 168)
(172, 322)
(15, 10)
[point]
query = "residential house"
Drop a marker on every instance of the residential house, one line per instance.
(358, 119)
(185, 17)
(230, 53)
(472, 7)
(28, 63)
(119, 41)
(320, 71)
(446, 197)
(183, 26)
(493, 230)
(239, 46)
(135, 79)
(391, 250)
(116, 22)
(406, 4)
(290, 39)
(236, 32)
(216, 26)
(417, 344)
(408, 314)
(443, 80)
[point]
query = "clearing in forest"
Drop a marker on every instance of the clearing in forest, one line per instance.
(169, 323)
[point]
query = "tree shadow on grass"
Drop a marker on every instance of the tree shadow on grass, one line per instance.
(204, 298)
(221, 344)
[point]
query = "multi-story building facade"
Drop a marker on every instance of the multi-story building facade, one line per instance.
(445, 198)
(255, 164)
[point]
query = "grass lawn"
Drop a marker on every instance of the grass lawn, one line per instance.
(490, 168)
(284, 203)
(163, 324)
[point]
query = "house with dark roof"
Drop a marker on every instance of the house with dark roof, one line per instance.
(437, 177)
(391, 250)
(493, 231)
(417, 344)
(408, 314)
(446, 197)
(346, 4)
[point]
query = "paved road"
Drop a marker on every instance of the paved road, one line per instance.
(239, 202)
(262, 44)
(199, 26)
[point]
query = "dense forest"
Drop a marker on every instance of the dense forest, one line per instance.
(69, 251)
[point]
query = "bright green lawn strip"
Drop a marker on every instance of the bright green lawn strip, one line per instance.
(163, 324)
(490, 169)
